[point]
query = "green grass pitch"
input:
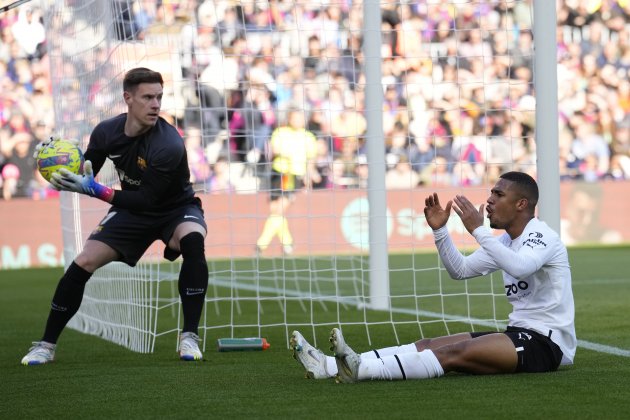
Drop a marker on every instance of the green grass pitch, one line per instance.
(92, 378)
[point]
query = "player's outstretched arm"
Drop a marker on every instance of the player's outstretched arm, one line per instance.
(435, 215)
(64, 180)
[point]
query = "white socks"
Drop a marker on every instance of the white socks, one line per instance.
(390, 351)
(418, 365)
(390, 363)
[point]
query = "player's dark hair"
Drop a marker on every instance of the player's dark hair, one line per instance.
(139, 75)
(526, 186)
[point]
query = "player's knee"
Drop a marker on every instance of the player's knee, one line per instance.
(194, 255)
(423, 344)
(192, 245)
(453, 356)
(87, 262)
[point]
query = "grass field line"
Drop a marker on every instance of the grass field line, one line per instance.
(602, 348)
(601, 281)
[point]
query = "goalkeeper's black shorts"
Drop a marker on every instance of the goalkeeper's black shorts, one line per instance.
(284, 185)
(536, 352)
(131, 234)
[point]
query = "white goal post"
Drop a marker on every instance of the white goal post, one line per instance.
(373, 86)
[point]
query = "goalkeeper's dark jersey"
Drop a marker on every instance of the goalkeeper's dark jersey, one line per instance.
(152, 167)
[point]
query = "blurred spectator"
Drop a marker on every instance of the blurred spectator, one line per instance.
(457, 77)
(197, 162)
(220, 182)
(10, 176)
(322, 177)
(590, 149)
(402, 176)
(22, 158)
(29, 33)
(582, 223)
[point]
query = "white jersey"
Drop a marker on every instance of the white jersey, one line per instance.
(536, 276)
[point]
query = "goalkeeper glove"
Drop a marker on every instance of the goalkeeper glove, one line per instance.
(64, 180)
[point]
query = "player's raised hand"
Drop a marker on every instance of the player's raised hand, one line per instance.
(435, 215)
(471, 217)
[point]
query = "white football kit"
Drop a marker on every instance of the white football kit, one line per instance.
(536, 276)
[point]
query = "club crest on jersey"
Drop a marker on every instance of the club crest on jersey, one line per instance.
(142, 164)
(534, 240)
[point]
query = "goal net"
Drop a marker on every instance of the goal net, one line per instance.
(456, 98)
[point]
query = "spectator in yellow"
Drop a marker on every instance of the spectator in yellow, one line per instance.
(293, 150)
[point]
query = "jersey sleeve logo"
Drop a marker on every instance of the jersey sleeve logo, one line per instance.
(534, 240)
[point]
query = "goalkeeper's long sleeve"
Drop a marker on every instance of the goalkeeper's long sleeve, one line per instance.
(147, 197)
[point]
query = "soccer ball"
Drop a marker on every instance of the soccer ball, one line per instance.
(60, 154)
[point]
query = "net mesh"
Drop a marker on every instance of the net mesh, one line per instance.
(457, 111)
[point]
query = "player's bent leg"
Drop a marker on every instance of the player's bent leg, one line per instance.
(67, 299)
(95, 254)
(486, 354)
(437, 342)
(189, 239)
(315, 363)
(193, 280)
(348, 362)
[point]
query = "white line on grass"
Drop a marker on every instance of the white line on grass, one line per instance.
(602, 348)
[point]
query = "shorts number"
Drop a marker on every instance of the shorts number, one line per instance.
(512, 289)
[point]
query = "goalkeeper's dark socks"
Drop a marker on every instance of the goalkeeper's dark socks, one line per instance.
(193, 279)
(66, 301)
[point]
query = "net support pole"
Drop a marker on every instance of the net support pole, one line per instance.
(379, 265)
(546, 85)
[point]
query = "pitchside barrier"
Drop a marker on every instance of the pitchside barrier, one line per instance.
(323, 222)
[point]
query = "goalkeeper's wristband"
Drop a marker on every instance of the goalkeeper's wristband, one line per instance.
(100, 191)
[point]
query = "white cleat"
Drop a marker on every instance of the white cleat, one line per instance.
(312, 360)
(189, 347)
(287, 249)
(40, 353)
(347, 360)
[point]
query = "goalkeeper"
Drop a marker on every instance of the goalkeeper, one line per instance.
(156, 201)
(537, 279)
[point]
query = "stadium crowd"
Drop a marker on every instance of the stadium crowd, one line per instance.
(457, 76)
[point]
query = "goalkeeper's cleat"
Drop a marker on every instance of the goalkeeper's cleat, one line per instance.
(312, 360)
(258, 252)
(40, 353)
(189, 347)
(347, 360)
(287, 249)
